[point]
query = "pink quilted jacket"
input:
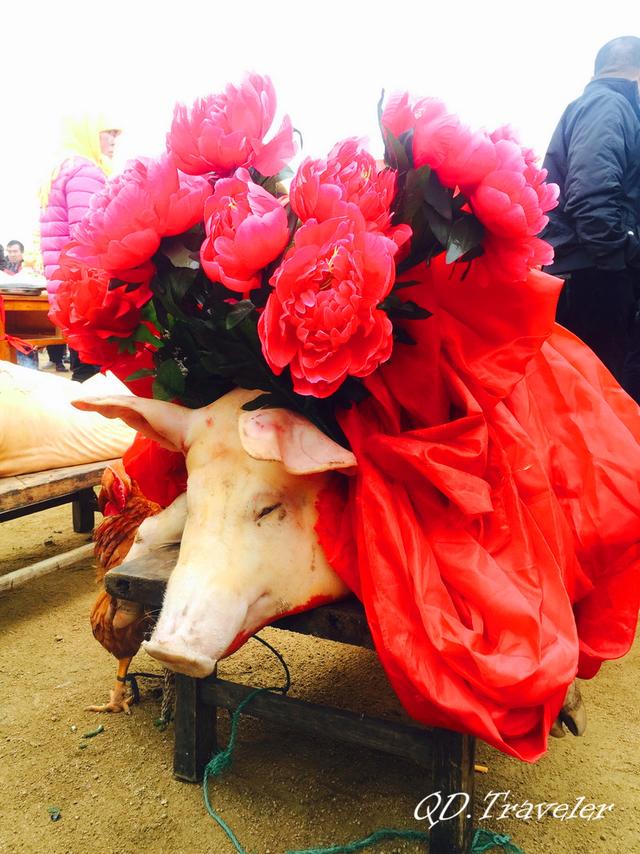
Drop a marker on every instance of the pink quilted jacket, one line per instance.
(69, 196)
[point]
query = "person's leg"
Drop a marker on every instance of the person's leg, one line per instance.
(56, 352)
(79, 370)
(597, 305)
(631, 372)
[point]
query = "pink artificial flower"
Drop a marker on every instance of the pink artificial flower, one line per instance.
(224, 131)
(322, 318)
(511, 200)
(128, 217)
(246, 229)
(401, 113)
(460, 157)
(321, 189)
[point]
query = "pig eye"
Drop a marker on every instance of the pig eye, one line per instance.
(266, 510)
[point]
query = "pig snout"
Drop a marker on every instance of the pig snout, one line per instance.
(191, 638)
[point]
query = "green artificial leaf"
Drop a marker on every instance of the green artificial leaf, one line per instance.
(159, 392)
(466, 234)
(193, 238)
(409, 284)
(402, 336)
(403, 309)
(170, 375)
(125, 345)
(146, 336)
(439, 226)
(395, 154)
(263, 401)
(239, 312)
(412, 198)
(139, 375)
(439, 197)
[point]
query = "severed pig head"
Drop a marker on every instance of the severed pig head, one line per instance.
(249, 552)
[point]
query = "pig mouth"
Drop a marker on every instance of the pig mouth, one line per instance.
(181, 659)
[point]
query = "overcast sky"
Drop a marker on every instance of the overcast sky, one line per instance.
(492, 62)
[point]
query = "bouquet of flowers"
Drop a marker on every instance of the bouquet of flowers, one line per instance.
(199, 271)
(489, 530)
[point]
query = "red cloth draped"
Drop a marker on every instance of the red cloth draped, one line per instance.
(492, 530)
(160, 474)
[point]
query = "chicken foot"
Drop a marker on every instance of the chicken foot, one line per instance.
(120, 698)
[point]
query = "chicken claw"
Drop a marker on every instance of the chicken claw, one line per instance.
(119, 701)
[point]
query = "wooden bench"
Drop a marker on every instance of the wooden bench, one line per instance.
(26, 317)
(446, 757)
(28, 493)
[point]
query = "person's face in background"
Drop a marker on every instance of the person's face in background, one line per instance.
(108, 142)
(13, 253)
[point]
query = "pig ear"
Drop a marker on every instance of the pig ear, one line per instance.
(165, 423)
(278, 434)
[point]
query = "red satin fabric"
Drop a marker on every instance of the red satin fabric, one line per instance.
(493, 528)
(160, 474)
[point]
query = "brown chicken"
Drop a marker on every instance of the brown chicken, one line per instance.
(119, 625)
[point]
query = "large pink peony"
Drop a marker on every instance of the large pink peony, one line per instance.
(127, 219)
(321, 189)
(511, 200)
(224, 131)
(246, 229)
(322, 318)
(461, 157)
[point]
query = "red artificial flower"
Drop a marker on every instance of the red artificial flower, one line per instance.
(127, 219)
(224, 131)
(321, 189)
(89, 313)
(322, 318)
(246, 229)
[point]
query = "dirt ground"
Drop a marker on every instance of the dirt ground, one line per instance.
(284, 791)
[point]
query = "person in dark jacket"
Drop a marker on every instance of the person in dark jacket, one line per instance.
(594, 157)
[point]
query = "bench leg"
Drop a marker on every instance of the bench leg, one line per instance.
(453, 756)
(83, 506)
(195, 731)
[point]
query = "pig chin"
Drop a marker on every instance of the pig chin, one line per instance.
(191, 640)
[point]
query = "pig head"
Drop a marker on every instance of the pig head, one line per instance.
(248, 553)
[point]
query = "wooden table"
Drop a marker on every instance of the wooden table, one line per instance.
(26, 318)
(446, 758)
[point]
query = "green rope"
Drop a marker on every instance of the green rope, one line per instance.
(222, 760)
(375, 837)
(483, 840)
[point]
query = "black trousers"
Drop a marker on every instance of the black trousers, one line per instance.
(79, 370)
(601, 307)
(56, 353)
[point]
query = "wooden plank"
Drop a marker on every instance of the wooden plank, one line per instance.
(22, 490)
(399, 739)
(145, 578)
(19, 577)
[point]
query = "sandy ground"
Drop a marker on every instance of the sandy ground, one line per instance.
(285, 790)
